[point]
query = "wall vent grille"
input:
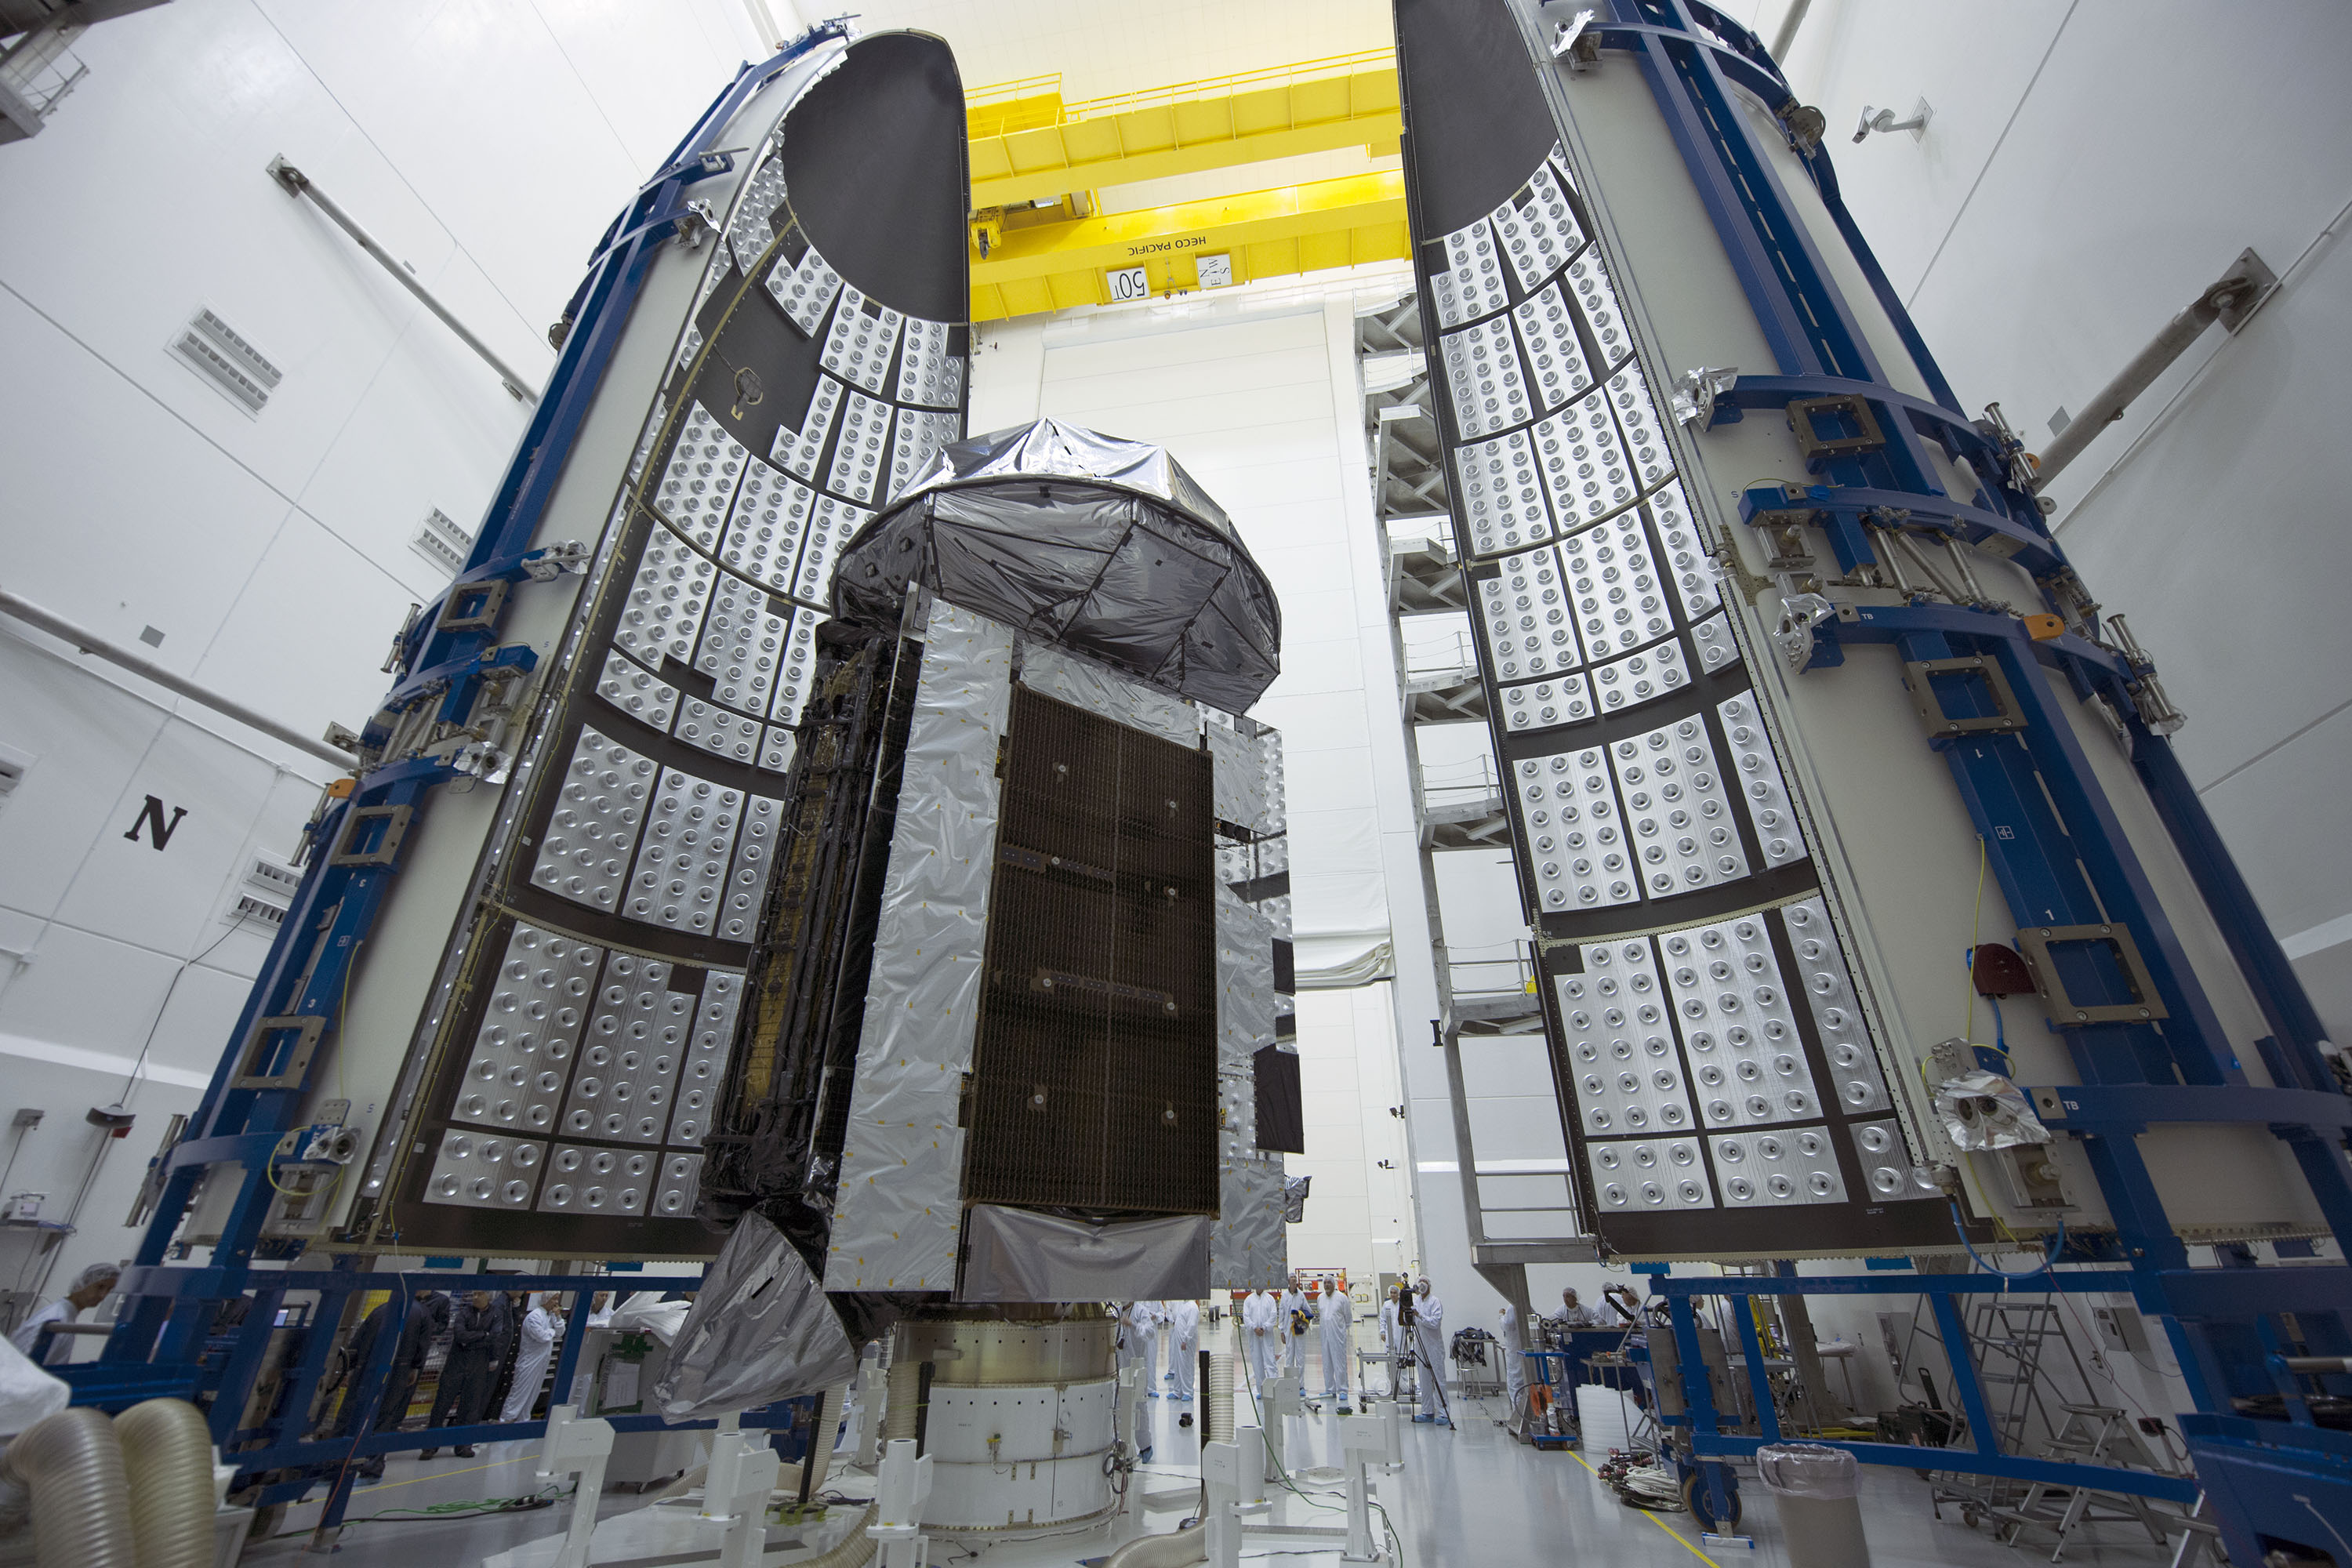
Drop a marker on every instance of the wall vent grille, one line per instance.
(442, 541)
(222, 356)
(268, 894)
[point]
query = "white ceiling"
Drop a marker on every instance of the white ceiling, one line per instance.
(1101, 47)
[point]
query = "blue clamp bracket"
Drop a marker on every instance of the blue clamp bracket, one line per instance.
(459, 679)
(2131, 1106)
(1840, 509)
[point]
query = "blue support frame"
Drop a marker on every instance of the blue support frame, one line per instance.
(1708, 1440)
(2052, 839)
(165, 1342)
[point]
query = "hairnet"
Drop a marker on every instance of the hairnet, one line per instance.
(98, 1274)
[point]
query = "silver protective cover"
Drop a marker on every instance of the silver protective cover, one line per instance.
(895, 1226)
(1248, 1249)
(1021, 1255)
(1100, 689)
(759, 1330)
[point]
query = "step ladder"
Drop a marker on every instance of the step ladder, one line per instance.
(2091, 1434)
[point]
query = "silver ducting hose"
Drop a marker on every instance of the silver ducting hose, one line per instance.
(899, 1400)
(821, 1437)
(855, 1551)
(1172, 1551)
(72, 1464)
(1221, 1398)
(167, 1461)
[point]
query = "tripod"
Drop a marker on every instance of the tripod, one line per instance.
(1410, 1359)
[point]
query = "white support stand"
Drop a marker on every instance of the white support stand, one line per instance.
(576, 1445)
(1131, 1410)
(1283, 1401)
(735, 1490)
(873, 1400)
(900, 1489)
(1392, 1425)
(1227, 1469)
(1364, 1440)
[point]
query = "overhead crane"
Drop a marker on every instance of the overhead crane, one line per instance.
(1041, 241)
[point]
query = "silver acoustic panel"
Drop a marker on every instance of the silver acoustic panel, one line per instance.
(1739, 1024)
(665, 601)
(717, 731)
(1796, 1166)
(522, 1052)
(1554, 356)
(919, 439)
(755, 855)
(805, 289)
(689, 838)
(1573, 832)
(1683, 558)
(743, 640)
(1484, 379)
(835, 522)
(645, 439)
(1537, 228)
(862, 342)
(1538, 705)
(581, 1180)
(1621, 1043)
(1583, 462)
(1854, 1075)
(1625, 684)
(1502, 493)
(705, 1067)
(645, 697)
(681, 1176)
(858, 457)
(1619, 602)
(698, 488)
(1526, 617)
(748, 233)
(1650, 1174)
(592, 836)
(798, 451)
(1472, 284)
(763, 531)
(1756, 775)
(1712, 637)
(776, 749)
(1885, 1167)
(928, 375)
(478, 1170)
(1637, 419)
(797, 669)
(1589, 286)
(1678, 816)
(636, 1036)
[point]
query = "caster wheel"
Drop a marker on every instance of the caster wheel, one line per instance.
(1695, 1498)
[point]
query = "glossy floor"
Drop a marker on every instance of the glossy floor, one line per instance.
(1467, 1497)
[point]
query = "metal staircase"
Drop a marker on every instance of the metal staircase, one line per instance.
(1483, 994)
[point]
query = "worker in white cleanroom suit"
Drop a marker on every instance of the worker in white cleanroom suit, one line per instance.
(1429, 1348)
(90, 1287)
(1515, 1364)
(1184, 1350)
(1293, 1344)
(1261, 1334)
(1335, 1321)
(539, 1327)
(1143, 1320)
